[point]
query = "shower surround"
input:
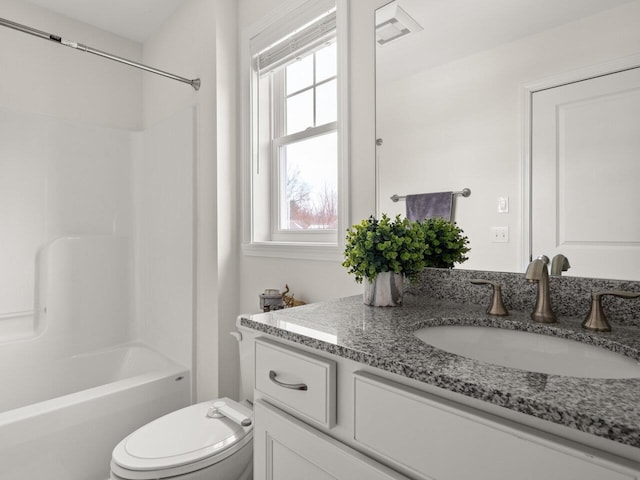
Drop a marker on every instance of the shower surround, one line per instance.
(97, 270)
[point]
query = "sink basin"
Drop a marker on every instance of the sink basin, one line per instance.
(530, 351)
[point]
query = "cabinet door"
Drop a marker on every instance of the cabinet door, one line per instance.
(436, 438)
(288, 449)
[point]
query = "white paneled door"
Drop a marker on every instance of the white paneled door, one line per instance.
(585, 174)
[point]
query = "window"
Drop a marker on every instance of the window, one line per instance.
(305, 142)
(295, 167)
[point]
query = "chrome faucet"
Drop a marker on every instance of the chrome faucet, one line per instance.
(559, 264)
(537, 272)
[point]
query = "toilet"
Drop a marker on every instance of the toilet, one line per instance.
(212, 440)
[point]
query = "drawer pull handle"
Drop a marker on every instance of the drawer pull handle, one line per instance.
(292, 386)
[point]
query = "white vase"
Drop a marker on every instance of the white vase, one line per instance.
(386, 290)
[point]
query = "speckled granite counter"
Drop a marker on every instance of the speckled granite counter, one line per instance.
(382, 338)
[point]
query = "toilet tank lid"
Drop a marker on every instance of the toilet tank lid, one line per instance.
(181, 437)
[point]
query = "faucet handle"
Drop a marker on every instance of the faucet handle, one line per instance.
(596, 319)
(497, 307)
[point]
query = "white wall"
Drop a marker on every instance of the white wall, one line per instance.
(312, 281)
(227, 194)
(44, 77)
(164, 225)
(189, 44)
(460, 125)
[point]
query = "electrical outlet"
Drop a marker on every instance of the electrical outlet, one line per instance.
(500, 234)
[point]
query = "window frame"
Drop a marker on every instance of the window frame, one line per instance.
(280, 138)
(307, 244)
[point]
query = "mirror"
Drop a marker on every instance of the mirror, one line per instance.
(454, 102)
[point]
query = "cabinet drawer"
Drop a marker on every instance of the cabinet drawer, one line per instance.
(299, 382)
(439, 439)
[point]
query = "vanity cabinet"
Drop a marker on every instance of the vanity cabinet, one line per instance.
(435, 438)
(300, 382)
(288, 449)
(352, 423)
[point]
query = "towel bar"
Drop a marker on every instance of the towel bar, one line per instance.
(465, 192)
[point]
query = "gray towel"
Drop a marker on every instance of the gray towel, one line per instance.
(430, 205)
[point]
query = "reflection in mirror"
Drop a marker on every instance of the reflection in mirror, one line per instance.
(453, 110)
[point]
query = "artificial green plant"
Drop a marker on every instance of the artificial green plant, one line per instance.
(402, 246)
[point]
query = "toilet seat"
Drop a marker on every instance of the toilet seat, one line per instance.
(181, 442)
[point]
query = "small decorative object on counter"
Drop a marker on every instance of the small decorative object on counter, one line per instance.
(271, 299)
(288, 300)
(399, 248)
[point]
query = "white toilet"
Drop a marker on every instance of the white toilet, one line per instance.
(212, 440)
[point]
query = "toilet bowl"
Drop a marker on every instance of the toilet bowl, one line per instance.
(212, 440)
(188, 444)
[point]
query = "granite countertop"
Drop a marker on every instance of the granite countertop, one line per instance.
(383, 338)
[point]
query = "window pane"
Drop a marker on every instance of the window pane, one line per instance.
(326, 63)
(300, 74)
(327, 103)
(300, 112)
(309, 199)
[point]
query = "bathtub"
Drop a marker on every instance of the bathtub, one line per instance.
(60, 419)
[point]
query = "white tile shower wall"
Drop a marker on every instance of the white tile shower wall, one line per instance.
(22, 207)
(88, 294)
(164, 235)
(69, 162)
(67, 201)
(57, 179)
(88, 180)
(43, 84)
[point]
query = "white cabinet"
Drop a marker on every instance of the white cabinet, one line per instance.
(349, 423)
(439, 439)
(288, 449)
(298, 381)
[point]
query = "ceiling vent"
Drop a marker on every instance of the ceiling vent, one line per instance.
(392, 23)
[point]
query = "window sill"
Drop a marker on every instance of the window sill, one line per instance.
(294, 250)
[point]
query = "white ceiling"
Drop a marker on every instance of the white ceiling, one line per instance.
(133, 19)
(454, 29)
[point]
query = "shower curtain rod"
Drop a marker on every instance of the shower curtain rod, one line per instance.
(195, 83)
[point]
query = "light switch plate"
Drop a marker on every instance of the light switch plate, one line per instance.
(503, 204)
